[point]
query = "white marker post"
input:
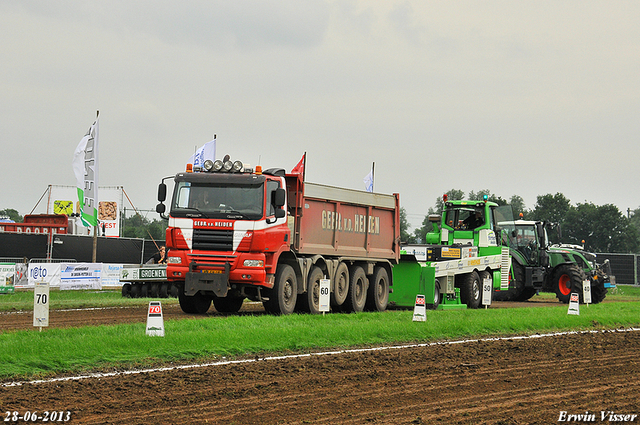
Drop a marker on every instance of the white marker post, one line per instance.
(586, 292)
(487, 286)
(574, 304)
(41, 305)
(155, 322)
(420, 309)
(325, 290)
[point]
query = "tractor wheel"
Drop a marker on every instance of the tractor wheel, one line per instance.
(567, 279)
(598, 291)
(357, 295)
(378, 292)
(516, 285)
(470, 292)
(284, 294)
(228, 304)
(340, 285)
(196, 304)
(311, 301)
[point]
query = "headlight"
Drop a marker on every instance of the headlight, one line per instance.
(237, 166)
(227, 166)
(174, 260)
(253, 263)
(217, 165)
(208, 165)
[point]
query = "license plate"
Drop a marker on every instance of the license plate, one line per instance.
(213, 271)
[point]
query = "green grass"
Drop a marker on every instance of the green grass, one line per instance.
(31, 354)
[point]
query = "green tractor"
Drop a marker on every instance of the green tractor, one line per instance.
(538, 266)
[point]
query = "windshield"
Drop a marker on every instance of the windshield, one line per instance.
(237, 202)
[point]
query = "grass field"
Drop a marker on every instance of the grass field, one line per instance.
(29, 354)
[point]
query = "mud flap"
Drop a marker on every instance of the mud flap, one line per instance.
(218, 283)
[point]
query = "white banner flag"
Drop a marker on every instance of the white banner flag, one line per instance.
(207, 151)
(368, 182)
(85, 167)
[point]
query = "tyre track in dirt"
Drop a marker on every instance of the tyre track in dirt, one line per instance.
(502, 381)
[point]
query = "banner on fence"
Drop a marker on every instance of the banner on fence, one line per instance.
(80, 276)
(7, 277)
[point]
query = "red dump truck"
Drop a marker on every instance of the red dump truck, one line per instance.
(50, 224)
(269, 236)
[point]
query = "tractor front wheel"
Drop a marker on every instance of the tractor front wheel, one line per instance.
(567, 279)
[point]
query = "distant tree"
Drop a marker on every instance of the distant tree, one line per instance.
(452, 195)
(12, 214)
(140, 227)
(405, 236)
(517, 205)
(552, 208)
(602, 228)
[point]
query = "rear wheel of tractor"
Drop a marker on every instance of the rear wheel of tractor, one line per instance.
(378, 292)
(357, 295)
(196, 304)
(470, 293)
(284, 294)
(437, 295)
(568, 279)
(312, 297)
(228, 304)
(341, 285)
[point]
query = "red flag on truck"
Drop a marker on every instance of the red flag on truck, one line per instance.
(299, 169)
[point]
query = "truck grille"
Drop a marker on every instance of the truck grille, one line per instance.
(214, 240)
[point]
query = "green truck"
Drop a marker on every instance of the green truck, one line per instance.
(462, 255)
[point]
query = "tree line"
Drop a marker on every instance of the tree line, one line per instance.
(600, 228)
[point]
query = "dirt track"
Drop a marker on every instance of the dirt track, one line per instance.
(499, 382)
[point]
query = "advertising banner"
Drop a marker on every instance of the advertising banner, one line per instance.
(80, 276)
(43, 273)
(63, 200)
(7, 277)
(111, 275)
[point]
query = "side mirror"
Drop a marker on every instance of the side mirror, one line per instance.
(161, 208)
(279, 196)
(280, 213)
(162, 192)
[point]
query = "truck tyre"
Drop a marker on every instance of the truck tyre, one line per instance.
(228, 304)
(196, 304)
(567, 279)
(340, 286)
(312, 297)
(437, 296)
(154, 290)
(378, 293)
(357, 295)
(284, 294)
(470, 293)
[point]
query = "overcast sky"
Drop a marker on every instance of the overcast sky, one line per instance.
(517, 97)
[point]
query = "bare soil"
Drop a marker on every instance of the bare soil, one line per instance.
(519, 381)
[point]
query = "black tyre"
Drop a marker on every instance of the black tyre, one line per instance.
(228, 304)
(378, 292)
(164, 290)
(470, 291)
(126, 290)
(312, 296)
(598, 291)
(340, 286)
(567, 279)
(516, 285)
(135, 291)
(154, 290)
(144, 291)
(196, 304)
(174, 291)
(284, 294)
(357, 295)
(437, 296)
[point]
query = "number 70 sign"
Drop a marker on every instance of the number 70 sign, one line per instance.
(41, 305)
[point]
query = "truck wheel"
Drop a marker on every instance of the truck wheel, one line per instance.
(357, 295)
(341, 285)
(228, 304)
(470, 293)
(196, 304)
(378, 293)
(284, 294)
(568, 279)
(437, 295)
(312, 297)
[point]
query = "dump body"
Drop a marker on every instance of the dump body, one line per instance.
(39, 224)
